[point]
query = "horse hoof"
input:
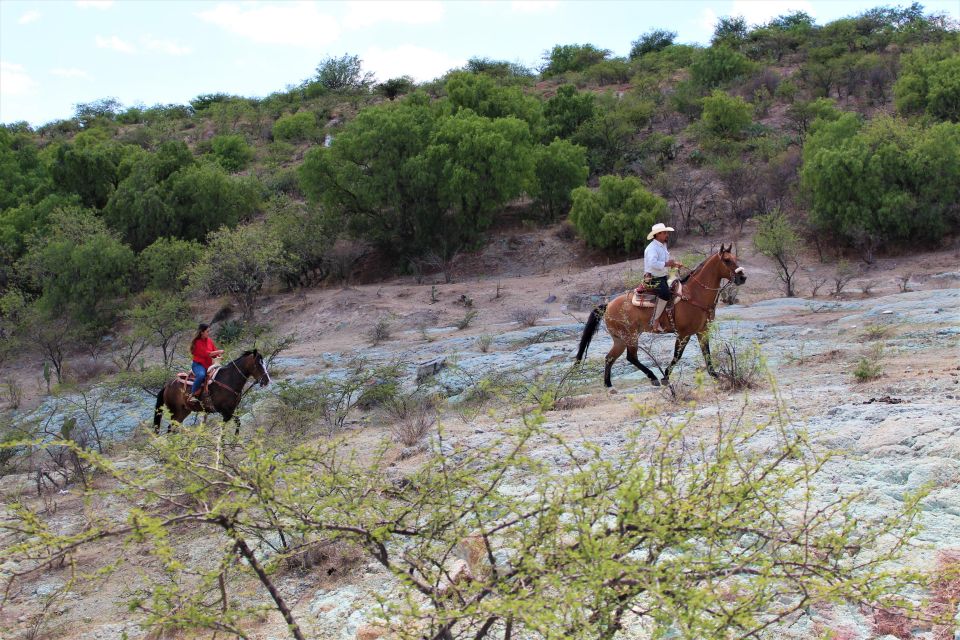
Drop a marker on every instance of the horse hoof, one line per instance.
(654, 382)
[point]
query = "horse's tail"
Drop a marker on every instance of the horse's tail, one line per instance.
(592, 323)
(158, 411)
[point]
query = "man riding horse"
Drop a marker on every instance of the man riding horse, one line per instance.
(656, 261)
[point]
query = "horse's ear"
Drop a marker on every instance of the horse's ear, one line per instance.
(721, 250)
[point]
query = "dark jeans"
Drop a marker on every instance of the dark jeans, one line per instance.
(659, 286)
(199, 373)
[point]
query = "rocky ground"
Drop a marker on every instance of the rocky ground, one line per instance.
(894, 433)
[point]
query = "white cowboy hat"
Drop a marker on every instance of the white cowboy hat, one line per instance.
(657, 228)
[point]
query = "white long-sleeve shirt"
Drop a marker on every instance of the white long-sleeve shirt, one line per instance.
(655, 259)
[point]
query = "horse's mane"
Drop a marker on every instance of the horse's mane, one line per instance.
(696, 269)
(247, 353)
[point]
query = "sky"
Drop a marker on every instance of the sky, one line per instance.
(56, 54)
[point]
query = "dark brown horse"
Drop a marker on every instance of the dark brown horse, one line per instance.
(226, 390)
(690, 316)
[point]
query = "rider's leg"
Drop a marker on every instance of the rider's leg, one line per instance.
(199, 374)
(663, 296)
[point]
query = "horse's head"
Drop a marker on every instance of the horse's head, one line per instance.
(256, 367)
(729, 269)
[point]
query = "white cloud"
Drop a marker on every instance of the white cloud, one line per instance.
(14, 80)
(100, 5)
(292, 23)
(168, 47)
(365, 13)
(757, 13)
(708, 19)
(70, 72)
(29, 16)
(115, 43)
(533, 6)
(420, 63)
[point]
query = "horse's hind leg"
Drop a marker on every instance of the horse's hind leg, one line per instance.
(236, 422)
(678, 348)
(704, 339)
(612, 356)
(635, 361)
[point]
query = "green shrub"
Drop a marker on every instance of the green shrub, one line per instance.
(164, 263)
(298, 127)
(564, 58)
(883, 183)
(869, 366)
(559, 169)
(651, 42)
(718, 65)
(232, 152)
(726, 116)
(929, 81)
(567, 110)
(618, 215)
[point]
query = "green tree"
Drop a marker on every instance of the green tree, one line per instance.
(21, 171)
(96, 112)
(238, 263)
(306, 237)
(481, 164)
(803, 113)
(161, 319)
(81, 270)
(943, 99)
(164, 198)
(726, 116)
(482, 95)
(373, 181)
(651, 41)
(91, 172)
(566, 110)
(343, 74)
(777, 239)
(718, 65)
(618, 215)
(163, 264)
(396, 87)
(882, 183)
(559, 168)
(232, 152)
(564, 58)
(297, 127)
(912, 91)
(609, 133)
(730, 31)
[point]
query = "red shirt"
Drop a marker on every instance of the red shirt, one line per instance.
(200, 349)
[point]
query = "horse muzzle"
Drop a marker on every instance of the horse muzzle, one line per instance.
(739, 277)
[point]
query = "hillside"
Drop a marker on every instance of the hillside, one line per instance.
(416, 263)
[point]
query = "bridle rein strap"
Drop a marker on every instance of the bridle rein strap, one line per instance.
(711, 310)
(242, 391)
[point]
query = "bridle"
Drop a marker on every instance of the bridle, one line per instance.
(242, 391)
(716, 297)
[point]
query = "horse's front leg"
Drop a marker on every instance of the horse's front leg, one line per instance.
(704, 339)
(678, 348)
(236, 422)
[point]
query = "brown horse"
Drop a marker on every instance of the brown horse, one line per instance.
(691, 314)
(226, 390)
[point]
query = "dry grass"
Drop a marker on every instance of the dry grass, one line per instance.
(527, 316)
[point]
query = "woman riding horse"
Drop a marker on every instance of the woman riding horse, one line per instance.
(226, 391)
(692, 311)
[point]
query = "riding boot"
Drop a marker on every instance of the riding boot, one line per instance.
(655, 316)
(194, 401)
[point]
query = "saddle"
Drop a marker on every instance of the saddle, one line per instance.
(186, 378)
(644, 299)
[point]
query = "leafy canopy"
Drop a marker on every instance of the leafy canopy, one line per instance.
(618, 215)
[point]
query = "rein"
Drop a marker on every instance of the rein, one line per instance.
(242, 391)
(711, 310)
